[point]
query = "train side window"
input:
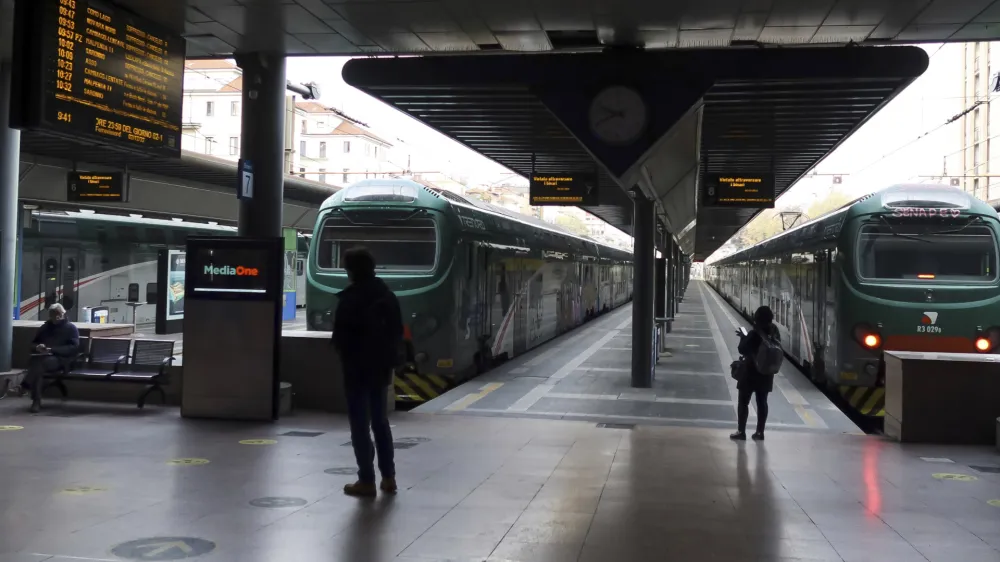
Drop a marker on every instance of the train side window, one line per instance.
(300, 267)
(151, 293)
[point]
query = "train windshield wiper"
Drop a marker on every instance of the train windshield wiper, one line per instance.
(907, 236)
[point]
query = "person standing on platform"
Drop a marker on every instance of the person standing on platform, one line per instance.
(368, 333)
(761, 359)
(56, 344)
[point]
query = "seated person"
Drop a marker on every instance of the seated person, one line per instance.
(56, 344)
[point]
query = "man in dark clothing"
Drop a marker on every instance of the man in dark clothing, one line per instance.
(368, 332)
(56, 344)
(754, 382)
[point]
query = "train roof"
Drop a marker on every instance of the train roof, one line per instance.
(402, 190)
(827, 227)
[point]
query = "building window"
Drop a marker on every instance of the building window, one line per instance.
(376, 152)
(975, 187)
(234, 108)
(322, 175)
(321, 124)
(209, 141)
(345, 176)
(975, 134)
(234, 146)
(368, 149)
(347, 147)
(209, 108)
(305, 127)
(302, 148)
(322, 150)
(302, 172)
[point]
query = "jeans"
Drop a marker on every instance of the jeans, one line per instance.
(38, 367)
(367, 409)
(743, 409)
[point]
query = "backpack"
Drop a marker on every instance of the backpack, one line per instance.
(769, 355)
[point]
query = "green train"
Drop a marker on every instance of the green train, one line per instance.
(477, 283)
(911, 267)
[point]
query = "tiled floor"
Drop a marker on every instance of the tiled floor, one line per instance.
(483, 488)
(492, 482)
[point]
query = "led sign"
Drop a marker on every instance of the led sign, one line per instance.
(230, 269)
(98, 187)
(925, 212)
(753, 191)
(92, 71)
(563, 189)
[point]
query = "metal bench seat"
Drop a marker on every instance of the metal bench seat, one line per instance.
(109, 360)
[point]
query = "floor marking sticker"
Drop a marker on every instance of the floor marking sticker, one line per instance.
(955, 477)
(258, 442)
(937, 459)
(278, 502)
(994, 503)
(11, 427)
(187, 462)
(163, 548)
(470, 399)
(82, 490)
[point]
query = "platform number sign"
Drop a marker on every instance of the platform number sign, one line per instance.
(245, 188)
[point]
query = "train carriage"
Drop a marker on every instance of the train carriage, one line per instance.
(477, 283)
(911, 267)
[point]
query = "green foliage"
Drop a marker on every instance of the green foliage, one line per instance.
(572, 224)
(768, 222)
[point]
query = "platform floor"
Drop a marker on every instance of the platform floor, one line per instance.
(586, 375)
(96, 482)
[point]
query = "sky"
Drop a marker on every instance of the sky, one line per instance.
(392, 124)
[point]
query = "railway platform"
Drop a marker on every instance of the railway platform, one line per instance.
(586, 375)
(546, 482)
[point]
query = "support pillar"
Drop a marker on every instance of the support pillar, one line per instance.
(643, 232)
(678, 271)
(668, 253)
(10, 151)
(263, 142)
(660, 288)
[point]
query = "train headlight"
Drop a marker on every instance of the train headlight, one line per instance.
(867, 336)
(983, 344)
(987, 340)
(871, 369)
(423, 325)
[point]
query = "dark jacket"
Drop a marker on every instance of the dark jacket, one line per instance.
(754, 380)
(61, 337)
(367, 357)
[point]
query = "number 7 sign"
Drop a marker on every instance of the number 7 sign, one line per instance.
(245, 188)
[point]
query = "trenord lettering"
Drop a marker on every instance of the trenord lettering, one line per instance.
(238, 271)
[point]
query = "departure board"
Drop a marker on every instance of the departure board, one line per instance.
(754, 191)
(562, 189)
(89, 70)
(94, 186)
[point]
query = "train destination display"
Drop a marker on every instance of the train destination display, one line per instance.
(755, 191)
(563, 189)
(96, 186)
(93, 71)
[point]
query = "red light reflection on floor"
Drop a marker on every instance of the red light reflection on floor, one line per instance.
(873, 494)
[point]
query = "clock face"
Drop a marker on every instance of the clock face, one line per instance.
(618, 115)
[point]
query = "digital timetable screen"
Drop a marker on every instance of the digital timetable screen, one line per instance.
(89, 70)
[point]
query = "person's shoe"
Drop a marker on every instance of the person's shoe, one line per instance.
(759, 436)
(361, 490)
(35, 407)
(738, 436)
(389, 485)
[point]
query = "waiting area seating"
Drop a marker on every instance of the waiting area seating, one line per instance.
(119, 360)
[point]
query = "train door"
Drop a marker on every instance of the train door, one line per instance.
(300, 282)
(520, 276)
(59, 278)
(484, 294)
(818, 324)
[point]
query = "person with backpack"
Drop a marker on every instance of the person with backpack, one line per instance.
(368, 334)
(761, 358)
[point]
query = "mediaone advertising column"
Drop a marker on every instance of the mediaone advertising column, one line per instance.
(232, 328)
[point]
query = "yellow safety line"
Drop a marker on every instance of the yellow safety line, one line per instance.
(415, 379)
(808, 417)
(471, 399)
(438, 381)
(870, 404)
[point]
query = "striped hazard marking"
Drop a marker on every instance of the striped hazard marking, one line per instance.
(867, 400)
(417, 387)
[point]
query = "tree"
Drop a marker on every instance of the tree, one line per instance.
(834, 200)
(573, 224)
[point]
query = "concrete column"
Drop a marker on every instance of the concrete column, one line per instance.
(660, 288)
(643, 231)
(10, 151)
(678, 279)
(668, 253)
(263, 142)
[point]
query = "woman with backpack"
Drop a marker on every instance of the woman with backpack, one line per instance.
(761, 358)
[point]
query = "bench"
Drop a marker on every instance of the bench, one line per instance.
(109, 360)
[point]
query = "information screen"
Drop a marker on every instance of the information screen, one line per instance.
(96, 186)
(754, 191)
(89, 70)
(176, 264)
(563, 189)
(233, 270)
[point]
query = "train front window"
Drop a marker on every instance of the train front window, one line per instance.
(407, 245)
(927, 253)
